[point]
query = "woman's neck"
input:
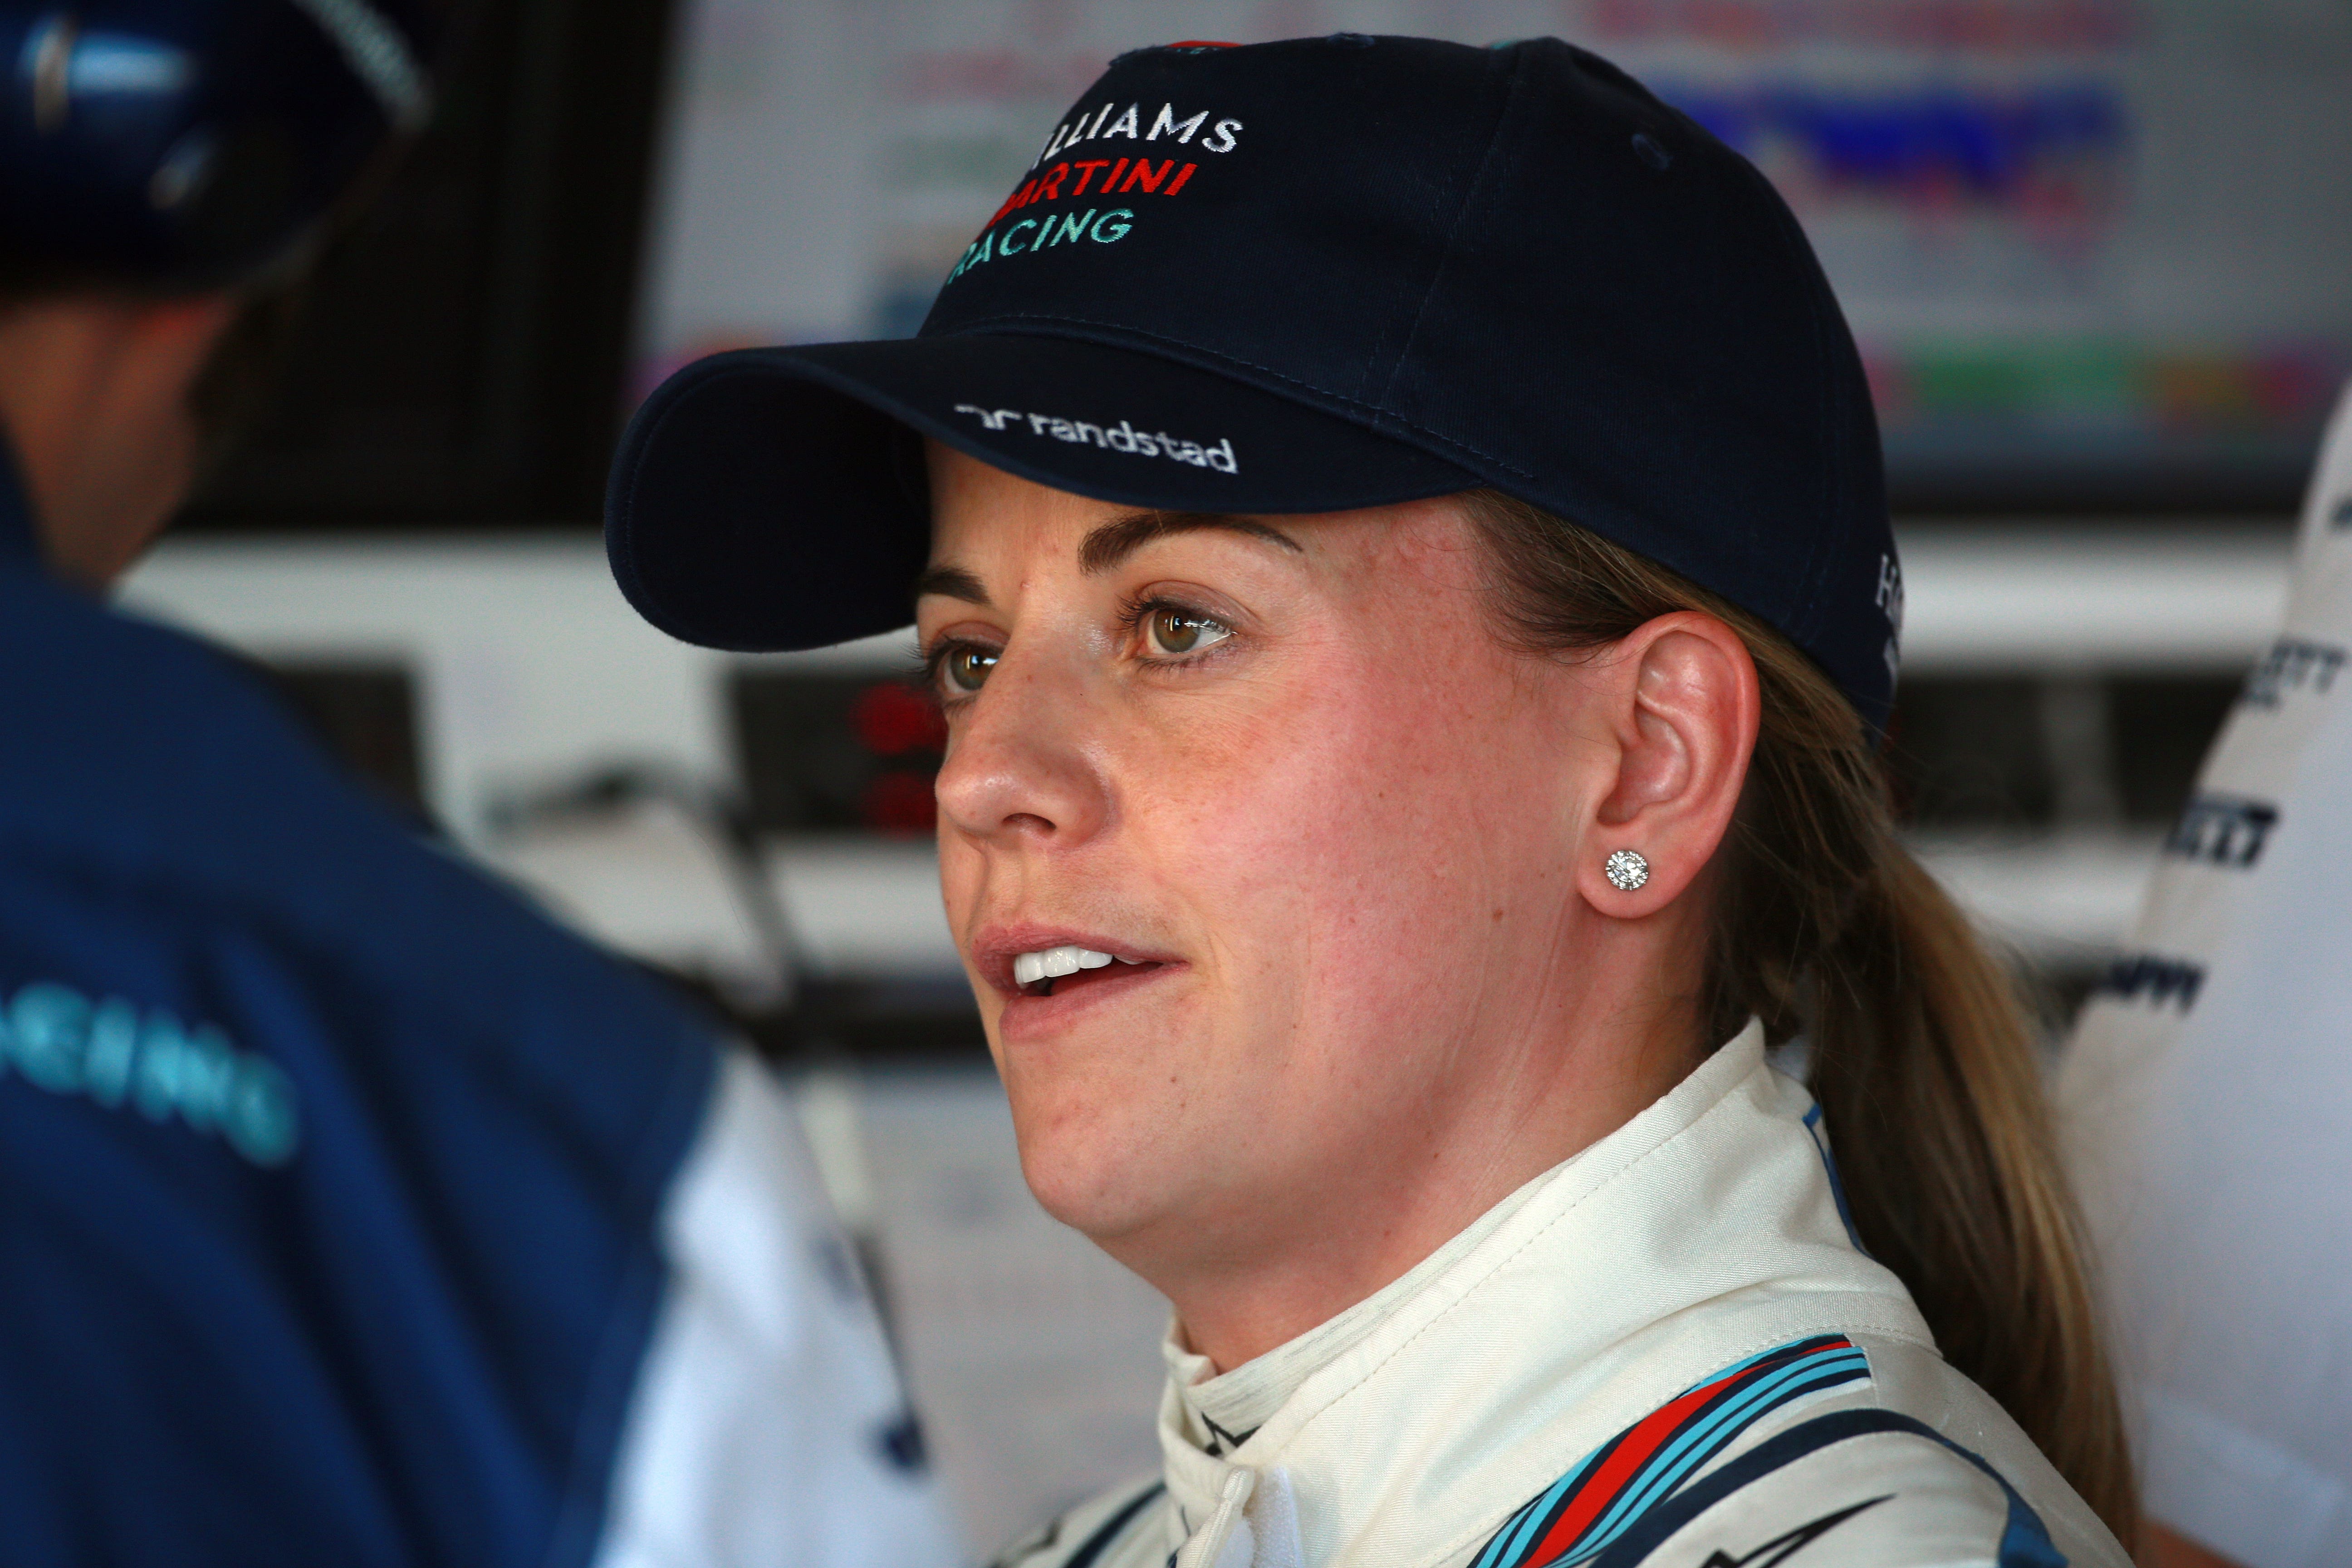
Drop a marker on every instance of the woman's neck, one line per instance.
(1265, 1273)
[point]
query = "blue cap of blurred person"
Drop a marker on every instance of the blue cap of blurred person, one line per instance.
(195, 144)
(169, 171)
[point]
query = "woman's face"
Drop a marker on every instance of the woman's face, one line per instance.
(1282, 771)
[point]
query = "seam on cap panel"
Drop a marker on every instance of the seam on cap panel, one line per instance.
(1511, 98)
(1378, 412)
(1437, 266)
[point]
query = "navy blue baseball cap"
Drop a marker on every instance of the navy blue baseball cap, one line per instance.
(1313, 276)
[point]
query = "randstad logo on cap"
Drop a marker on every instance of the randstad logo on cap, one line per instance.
(1136, 173)
(1122, 437)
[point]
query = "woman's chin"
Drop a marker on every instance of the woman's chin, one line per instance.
(1096, 1153)
(1101, 1197)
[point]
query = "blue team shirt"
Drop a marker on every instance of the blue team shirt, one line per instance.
(329, 1171)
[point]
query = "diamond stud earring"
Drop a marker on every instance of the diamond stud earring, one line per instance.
(1626, 870)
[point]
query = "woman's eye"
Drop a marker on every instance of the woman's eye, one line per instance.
(966, 666)
(1181, 631)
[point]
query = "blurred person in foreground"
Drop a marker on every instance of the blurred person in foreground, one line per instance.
(2207, 1107)
(1398, 532)
(352, 1213)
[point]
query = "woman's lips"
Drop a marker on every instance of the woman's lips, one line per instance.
(1059, 984)
(1036, 974)
(1034, 959)
(1034, 1012)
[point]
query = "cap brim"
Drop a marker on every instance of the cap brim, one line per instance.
(766, 499)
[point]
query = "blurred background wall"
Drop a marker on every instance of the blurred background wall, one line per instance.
(2096, 251)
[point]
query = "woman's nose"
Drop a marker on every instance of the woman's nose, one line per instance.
(1017, 769)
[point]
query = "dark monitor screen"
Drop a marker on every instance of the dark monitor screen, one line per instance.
(462, 355)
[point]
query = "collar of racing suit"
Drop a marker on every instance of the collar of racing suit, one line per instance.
(1705, 1230)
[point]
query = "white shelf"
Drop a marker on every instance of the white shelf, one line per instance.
(2016, 596)
(2060, 897)
(649, 884)
(531, 672)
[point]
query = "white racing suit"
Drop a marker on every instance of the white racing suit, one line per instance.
(2207, 1101)
(1668, 1350)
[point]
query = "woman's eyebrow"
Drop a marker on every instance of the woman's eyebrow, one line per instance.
(1114, 541)
(954, 583)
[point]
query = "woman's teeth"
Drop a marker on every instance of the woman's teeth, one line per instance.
(1053, 963)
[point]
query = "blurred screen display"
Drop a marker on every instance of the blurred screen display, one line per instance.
(825, 753)
(2096, 251)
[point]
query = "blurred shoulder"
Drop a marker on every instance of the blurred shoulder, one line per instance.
(158, 787)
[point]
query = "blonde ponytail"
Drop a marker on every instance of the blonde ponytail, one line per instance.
(1922, 1058)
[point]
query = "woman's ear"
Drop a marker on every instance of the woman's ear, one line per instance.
(1682, 708)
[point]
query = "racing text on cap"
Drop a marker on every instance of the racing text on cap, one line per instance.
(1137, 173)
